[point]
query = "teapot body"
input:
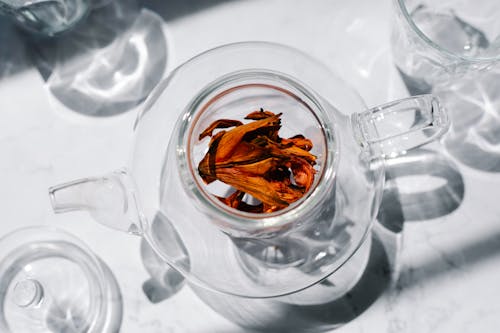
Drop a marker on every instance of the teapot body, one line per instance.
(231, 252)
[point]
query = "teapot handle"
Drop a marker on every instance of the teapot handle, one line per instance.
(389, 130)
(111, 200)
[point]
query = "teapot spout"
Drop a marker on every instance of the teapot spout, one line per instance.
(111, 200)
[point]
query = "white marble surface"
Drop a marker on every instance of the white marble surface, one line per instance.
(450, 265)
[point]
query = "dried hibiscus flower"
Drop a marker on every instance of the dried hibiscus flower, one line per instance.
(254, 160)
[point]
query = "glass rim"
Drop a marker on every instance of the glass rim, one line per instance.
(400, 4)
(89, 262)
(236, 221)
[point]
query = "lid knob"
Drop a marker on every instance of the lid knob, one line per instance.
(28, 293)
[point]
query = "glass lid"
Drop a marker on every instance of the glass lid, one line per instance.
(51, 282)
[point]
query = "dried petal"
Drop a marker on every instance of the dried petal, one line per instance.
(256, 186)
(277, 149)
(298, 152)
(221, 123)
(206, 168)
(254, 168)
(254, 160)
(248, 152)
(243, 206)
(298, 141)
(234, 199)
(233, 137)
(303, 173)
(261, 114)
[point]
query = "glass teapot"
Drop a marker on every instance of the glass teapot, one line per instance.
(161, 196)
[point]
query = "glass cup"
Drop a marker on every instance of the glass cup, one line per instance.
(47, 17)
(438, 41)
(452, 49)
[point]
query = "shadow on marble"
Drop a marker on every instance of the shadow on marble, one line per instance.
(239, 330)
(108, 64)
(421, 185)
(415, 87)
(99, 30)
(13, 56)
(174, 9)
(164, 281)
(463, 257)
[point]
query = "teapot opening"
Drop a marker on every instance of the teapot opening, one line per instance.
(233, 97)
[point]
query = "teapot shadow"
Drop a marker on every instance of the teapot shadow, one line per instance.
(414, 86)
(172, 10)
(402, 204)
(470, 254)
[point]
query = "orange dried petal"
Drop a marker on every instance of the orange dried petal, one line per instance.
(279, 150)
(303, 173)
(232, 138)
(299, 141)
(221, 123)
(255, 186)
(206, 167)
(261, 114)
(233, 200)
(254, 160)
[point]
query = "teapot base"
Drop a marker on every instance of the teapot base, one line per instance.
(309, 310)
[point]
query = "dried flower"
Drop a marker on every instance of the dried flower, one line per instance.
(255, 161)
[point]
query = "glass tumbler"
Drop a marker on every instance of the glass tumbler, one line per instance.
(452, 49)
(435, 42)
(46, 17)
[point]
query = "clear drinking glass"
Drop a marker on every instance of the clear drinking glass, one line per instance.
(46, 17)
(439, 41)
(452, 49)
